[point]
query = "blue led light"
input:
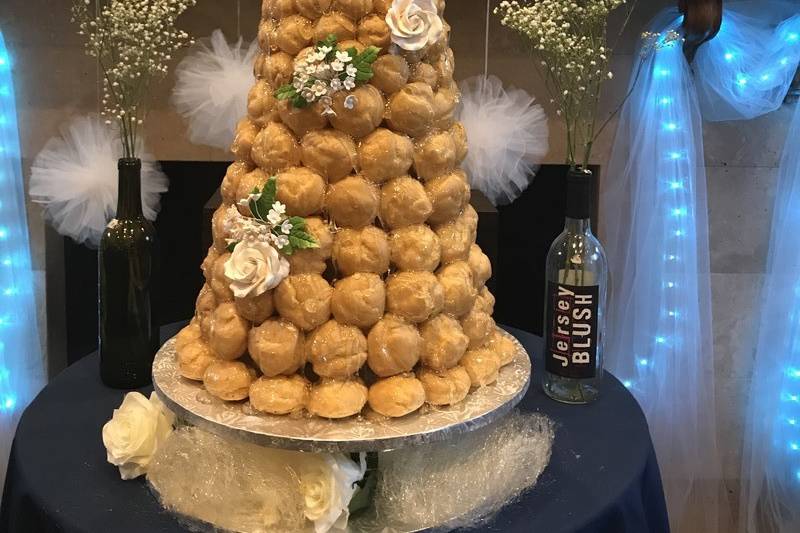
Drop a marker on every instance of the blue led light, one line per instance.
(643, 362)
(729, 56)
(679, 233)
(672, 314)
(797, 475)
(741, 81)
(670, 126)
(784, 61)
(19, 339)
(675, 185)
(627, 383)
(666, 100)
(8, 403)
(788, 397)
(765, 77)
(792, 37)
(791, 421)
(670, 284)
(793, 373)
(661, 72)
(674, 155)
(660, 340)
(679, 212)
(794, 446)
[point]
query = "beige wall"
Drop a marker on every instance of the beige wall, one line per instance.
(54, 80)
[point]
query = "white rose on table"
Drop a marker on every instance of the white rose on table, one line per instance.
(135, 432)
(254, 268)
(414, 23)
(328, 483)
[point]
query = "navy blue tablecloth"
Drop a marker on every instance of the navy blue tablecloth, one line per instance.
(603, 476)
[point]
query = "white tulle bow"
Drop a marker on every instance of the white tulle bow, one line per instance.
(211, 87)
(507, 135)
(75, 177)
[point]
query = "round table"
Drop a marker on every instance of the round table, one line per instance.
(603, 475)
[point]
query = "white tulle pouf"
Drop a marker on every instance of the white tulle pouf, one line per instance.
(211, 88)
(507, 134)
(75, 179)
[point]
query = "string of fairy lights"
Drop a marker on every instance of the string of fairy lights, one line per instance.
(676, 175)
(17, 277)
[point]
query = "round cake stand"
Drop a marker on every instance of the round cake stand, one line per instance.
(368, 432)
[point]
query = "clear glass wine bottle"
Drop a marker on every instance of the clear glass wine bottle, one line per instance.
(575, 299)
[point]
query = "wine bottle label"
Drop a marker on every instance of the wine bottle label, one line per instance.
(571, 330)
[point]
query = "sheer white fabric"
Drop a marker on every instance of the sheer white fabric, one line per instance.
(770, 499)
(211, 88)
(746, 70)
(22, 366)
(656, 234)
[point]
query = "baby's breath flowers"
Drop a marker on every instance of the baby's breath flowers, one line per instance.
(133, 41)
(570, 39)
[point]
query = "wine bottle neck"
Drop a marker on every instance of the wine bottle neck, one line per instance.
(129, 200)
(578, 225)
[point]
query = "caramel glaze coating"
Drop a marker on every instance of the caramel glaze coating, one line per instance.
(229, 380)
(396, 396)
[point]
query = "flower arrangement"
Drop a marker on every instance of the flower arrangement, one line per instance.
(133, 40)
(326, 71)
(414, 23)
(255, 265)
(570, 38)
(135, 432)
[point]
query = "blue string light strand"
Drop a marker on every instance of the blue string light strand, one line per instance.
(21, 360)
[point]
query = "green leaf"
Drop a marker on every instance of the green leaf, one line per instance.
(285, 92)
(300, 240)
(298, 223)
(299, 102)
(369, 55)
(363, 77)
(232, 246)
(364, 495)
(330, 40)
(260, 208)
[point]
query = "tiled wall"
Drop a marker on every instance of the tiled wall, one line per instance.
(54, 80)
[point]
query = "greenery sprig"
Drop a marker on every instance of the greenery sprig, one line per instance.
(326, 71)
(270, 222)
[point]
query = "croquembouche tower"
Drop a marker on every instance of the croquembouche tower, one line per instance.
(344, 271)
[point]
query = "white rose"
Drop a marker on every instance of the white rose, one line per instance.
(328, 483)
(254, 268)
(414, 23)
(135, 432)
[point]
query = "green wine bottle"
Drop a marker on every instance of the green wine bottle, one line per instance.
(128, 270)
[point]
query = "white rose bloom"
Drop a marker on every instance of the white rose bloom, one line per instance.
(135, 432)
(328, 483)
(254, 268)
(414, 23)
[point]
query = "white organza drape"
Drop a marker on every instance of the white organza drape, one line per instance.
(770, 499)
(656, 233)
(745, 71)
(656, 230)
(22, 366)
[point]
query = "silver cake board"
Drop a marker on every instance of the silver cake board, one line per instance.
(368, 432)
